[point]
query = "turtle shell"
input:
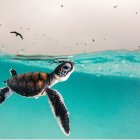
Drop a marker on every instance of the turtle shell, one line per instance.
(28, 84)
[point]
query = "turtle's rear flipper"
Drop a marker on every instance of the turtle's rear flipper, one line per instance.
(13, 72)
(59, 109)
(4, 94)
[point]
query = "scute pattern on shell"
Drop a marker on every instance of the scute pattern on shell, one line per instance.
(28, 84)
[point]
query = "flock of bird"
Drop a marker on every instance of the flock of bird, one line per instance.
(18, 34)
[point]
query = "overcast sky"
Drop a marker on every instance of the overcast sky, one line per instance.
(69, 26)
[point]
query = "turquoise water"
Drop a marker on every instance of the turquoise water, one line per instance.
(102, 95)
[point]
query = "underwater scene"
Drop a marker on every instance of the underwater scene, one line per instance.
(102, 96)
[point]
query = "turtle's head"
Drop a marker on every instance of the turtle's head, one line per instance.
(64, 70)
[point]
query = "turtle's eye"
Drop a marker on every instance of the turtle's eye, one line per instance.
(66, 67)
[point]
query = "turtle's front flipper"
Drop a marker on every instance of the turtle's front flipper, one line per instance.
(59, 109)
(4, 94)
(13, 72)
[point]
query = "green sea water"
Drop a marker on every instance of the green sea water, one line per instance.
(102, 96)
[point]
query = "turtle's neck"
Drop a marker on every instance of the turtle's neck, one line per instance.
(52, 79)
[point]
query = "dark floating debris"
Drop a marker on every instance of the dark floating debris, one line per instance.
(93, 40)
(0, 24)
(136, 13)
(44, 35)
(17, 34)
(85, 44)
(28, 28)
(62, 6)
(115, 6)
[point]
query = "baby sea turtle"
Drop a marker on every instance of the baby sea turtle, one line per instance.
(36, 84)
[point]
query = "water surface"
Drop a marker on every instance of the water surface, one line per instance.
(102, 96)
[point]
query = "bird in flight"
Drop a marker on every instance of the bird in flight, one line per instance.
(17, 34)
(115, 6)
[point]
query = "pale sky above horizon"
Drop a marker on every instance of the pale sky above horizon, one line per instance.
(69, 26)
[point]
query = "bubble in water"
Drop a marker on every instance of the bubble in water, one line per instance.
(131, 76)
(123, 61)
(99, 68)
(98, 75)
(21, 52)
